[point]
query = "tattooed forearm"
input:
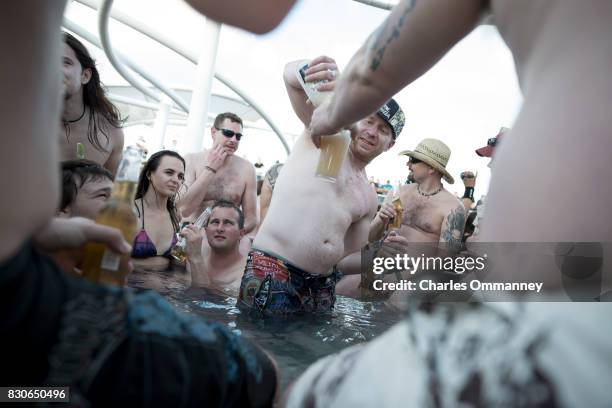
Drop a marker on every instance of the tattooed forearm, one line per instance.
(453, 233)
(378, 46)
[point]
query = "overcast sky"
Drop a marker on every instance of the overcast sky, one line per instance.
(462, 101)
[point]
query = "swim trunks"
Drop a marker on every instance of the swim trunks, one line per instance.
(273, 286)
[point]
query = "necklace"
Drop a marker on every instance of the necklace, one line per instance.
(67, 121)
(428, 194)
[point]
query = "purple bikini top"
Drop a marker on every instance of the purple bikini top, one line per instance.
(143, 247)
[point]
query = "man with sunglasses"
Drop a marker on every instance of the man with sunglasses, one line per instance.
(431, 214)
(218, 174)
(315, 228)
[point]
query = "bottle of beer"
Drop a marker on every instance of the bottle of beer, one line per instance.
(179, 250)
(101, 264)
(80, 154)
(396, 223)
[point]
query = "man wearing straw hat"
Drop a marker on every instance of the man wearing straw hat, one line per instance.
(431, 213)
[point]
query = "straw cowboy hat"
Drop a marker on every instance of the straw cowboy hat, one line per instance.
(434, 153)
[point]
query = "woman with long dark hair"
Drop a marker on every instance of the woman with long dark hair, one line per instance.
(88, 118)
(159, 182)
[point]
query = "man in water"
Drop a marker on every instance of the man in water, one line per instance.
(218, 174)
(521, 360)
(431, 214)
(86, 187)
(313, 224)
(218, 263)
(46, 312)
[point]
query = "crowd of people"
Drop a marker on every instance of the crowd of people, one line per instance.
(300, 244)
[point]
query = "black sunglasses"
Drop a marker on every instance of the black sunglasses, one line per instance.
(412, 160)
(230, 133)
(492, 142)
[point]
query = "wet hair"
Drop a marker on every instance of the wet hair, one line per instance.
(228, 204)
(75, 174)
(143, 182)
(227, 115)
(101, 111)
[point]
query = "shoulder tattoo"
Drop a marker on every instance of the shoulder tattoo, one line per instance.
(452, 234)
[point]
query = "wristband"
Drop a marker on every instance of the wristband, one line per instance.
(211, 169)
(469, 193)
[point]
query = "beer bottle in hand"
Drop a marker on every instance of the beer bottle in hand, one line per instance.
(101, 264)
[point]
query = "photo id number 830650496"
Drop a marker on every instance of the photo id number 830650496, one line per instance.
(34, 394)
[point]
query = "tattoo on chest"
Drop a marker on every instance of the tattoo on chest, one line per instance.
(379, 46)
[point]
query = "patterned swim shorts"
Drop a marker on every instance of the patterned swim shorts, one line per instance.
(273, 286)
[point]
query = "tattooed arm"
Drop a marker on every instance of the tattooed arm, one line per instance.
(452, 230)
(415, 36)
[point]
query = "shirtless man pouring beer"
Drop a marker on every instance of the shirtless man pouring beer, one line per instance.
(312, 223)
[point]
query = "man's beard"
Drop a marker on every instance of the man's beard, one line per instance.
(410, 179)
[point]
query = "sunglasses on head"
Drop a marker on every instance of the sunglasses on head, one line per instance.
(412, 160)
(230, 133)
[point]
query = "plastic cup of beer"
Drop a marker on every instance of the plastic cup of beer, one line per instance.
(333, 151)
(317, 98)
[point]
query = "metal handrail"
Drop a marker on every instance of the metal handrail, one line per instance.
(139, 103)
(91, 38)
(191, 57)
(103, 15)
(172, 122)
(385, 5)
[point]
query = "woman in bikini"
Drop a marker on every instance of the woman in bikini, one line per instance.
(160, 180)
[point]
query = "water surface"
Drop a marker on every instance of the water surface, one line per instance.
(295, 342)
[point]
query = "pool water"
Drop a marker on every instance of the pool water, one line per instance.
(295, 342)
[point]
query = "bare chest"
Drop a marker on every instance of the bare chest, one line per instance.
(422, 214)
(75, 133)
(226, 275)
(357, 198)
(227, 184)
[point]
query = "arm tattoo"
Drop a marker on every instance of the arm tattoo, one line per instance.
(453, 233)
(272, 174)
(395, 33)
